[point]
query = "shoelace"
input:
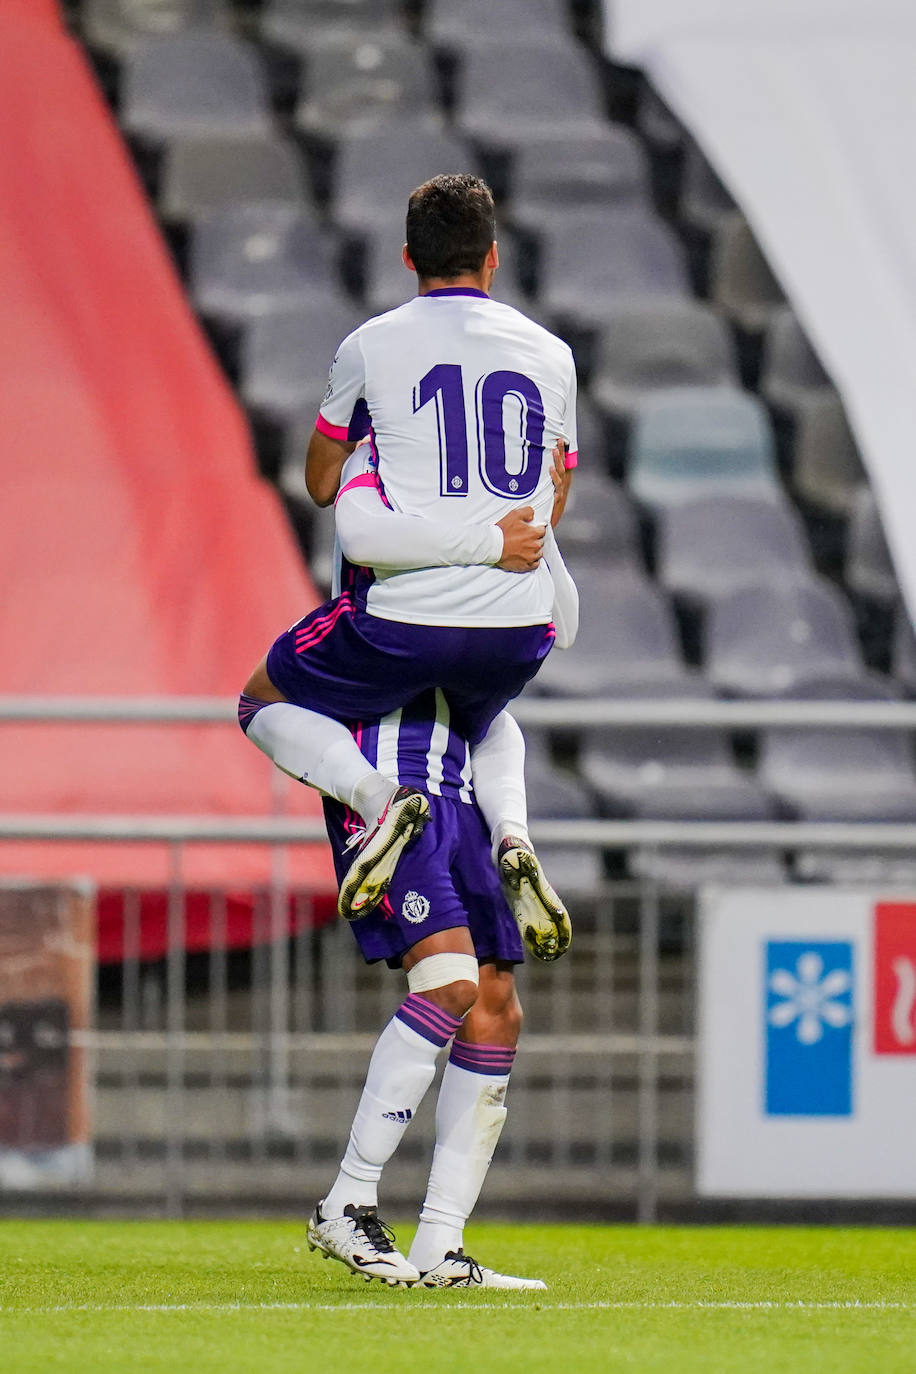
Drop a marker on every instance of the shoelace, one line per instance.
(473, 1275)
(356, 838)
(375, 1230)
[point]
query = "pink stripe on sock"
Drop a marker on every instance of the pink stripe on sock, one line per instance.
(427, 1019)
(496, 1060)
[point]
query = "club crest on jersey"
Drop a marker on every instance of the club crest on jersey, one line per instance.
(415, 908)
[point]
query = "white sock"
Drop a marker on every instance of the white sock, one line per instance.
(402, 1066)
(470, 1114)
(321, 752)
(498, 771)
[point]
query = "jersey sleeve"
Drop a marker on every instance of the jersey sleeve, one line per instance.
(343, 413)
(572, 440)
(373, 535)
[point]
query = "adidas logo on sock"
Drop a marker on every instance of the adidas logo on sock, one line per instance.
(401, 1118)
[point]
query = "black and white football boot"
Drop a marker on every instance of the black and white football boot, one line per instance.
(361, 1241)
(541, 917)
(458, 1270)
(378, 850)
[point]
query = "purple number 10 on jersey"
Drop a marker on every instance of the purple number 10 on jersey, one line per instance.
(444, 384)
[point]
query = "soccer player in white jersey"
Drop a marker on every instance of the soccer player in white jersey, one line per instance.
(444, 884)
(462, 398)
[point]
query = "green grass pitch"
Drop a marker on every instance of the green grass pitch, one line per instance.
(248, 1296)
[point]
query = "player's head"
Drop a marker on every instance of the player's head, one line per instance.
(451, 228)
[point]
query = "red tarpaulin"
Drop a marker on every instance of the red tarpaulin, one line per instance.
(140, 554)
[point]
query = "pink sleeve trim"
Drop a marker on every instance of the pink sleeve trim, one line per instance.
(572, 459)
(365, 479)
(338, 432)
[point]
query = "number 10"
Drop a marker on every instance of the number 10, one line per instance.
(444, 384)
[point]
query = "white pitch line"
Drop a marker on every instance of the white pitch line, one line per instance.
(852, 1305)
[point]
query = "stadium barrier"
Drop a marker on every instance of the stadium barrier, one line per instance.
(225, 1076)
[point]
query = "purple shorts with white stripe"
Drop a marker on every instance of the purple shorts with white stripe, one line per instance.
(446, 878)
(342, 662)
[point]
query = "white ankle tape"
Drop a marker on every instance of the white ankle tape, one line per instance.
(438, 970)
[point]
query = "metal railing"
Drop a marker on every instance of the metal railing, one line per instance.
(231, 1076)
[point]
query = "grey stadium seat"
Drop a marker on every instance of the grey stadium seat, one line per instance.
(375, 172)
(713, 546)
(556, 795)
(295, 24)
(600, 523)
(653, 344)
(774, 641)
(463, 23)
(790, 367)
(826, 467)
(903, 651)
(596, 261)
(285, 357)
(509, 95)
(119, 26)
(587, 172)
(627, 643)
(689, 442)
(841, 775)
(200, 175)
(194, 85)
(354, 83)
(704, 202)
(671, 774)
(868, 569)
(250, 261)
(741, 280)
(661, 129)
(686, 869)
(388, 283)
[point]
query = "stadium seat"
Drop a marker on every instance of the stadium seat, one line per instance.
(714, 545)
(285, 357)
(509, 95)
(194, 85)
(704, 202)
(388, 283)
(627, 643)
(200, 175)
(840, 775)
(652, 344)
(551, 178)
(459, 24)
(888, 868)
(600, 523)
(557, 795)
(354, 83)
(249, 261)
(903, 651)
(690, 442)
(868, 569)
(375, 172)
(661, 129)
(826, 467)
(774, 641)
(741, 281)
(119, 26)
(593, 262)
(671, 774)
(295, 24)
(790, 369)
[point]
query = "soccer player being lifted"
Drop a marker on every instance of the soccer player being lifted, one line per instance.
(425, 650)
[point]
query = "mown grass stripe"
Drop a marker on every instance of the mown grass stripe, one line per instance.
(850, 1305)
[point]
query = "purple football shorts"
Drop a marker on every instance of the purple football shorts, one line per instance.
(445, 878)
(344, 663)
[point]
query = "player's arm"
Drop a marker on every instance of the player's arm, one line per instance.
(373, 535)
(323, 464)
(565, 594)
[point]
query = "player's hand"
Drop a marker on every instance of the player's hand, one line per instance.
(523, 541)
(561, 476)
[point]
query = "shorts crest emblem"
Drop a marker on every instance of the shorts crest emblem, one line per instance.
(415, 908)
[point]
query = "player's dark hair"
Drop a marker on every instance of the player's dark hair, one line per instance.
(450, 225)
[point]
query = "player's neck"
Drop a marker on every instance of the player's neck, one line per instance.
(468, 281)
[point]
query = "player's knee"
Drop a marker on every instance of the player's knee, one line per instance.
(448, 980)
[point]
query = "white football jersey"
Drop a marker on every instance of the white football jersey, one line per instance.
(463, 398)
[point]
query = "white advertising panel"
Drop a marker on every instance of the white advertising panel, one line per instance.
(807, 1044)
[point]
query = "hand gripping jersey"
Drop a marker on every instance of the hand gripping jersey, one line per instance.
(463, 398)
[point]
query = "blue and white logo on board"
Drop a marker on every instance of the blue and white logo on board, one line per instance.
(809, 1020)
